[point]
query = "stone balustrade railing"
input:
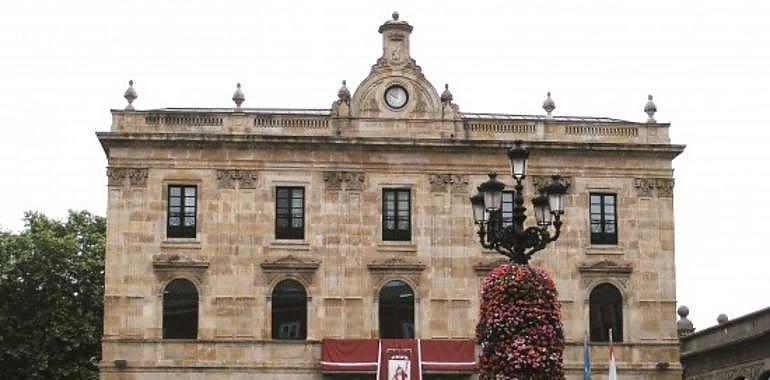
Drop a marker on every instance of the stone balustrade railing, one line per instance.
(320, 123)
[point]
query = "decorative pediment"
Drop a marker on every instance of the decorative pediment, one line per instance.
(290, 263)
(404, 268)
(605, 270)
(290, 266)
(483, 268)
(605, 267)
(168, 266)
(397, 264)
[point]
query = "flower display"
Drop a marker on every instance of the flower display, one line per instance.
(520, 329)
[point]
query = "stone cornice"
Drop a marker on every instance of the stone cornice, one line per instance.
(211, 140)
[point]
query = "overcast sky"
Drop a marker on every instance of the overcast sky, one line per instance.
(65, 64)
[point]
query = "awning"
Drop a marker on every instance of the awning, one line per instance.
(433, 355)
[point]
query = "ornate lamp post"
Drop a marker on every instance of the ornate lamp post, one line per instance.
(519, 330)
(512, 239)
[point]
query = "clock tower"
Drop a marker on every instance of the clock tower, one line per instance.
(396, 87)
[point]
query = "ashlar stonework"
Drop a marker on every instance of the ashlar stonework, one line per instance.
(343, 158)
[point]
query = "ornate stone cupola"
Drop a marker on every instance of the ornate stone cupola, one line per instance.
(396, 87)
(395, 43)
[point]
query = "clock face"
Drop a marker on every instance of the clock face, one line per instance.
(396, 96)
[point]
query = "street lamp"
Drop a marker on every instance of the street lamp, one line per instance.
(512, 239)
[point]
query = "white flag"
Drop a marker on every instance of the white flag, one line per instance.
(613, 370)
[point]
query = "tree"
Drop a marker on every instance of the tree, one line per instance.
(51, 297)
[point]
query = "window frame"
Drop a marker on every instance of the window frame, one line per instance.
(278, 321)
(603, 237)
(597, 306)
(289, 232)
(170, 324)
(181, 231)
(396, 234)
(395, 314)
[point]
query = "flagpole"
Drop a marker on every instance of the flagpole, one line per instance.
(613, 372)
(586, 358)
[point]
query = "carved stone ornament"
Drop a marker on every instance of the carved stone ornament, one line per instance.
(540, 181)
(395, 267)
(440, 183)
(644, 186)
(167, 266)
(246, 179)
(649, 187)
(118, 176)
(750, 370)
(605, 269)
(341, 180)
(396, 264)
(483, 268)
(665, 187)
(292, 266)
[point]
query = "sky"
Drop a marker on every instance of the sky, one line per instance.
(65, 64)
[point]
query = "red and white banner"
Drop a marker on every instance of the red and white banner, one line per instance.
(399, 360)
(386, 356)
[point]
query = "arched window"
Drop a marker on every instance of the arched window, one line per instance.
(396, 310)
(289, 310)
(180, 310)
(606, 312)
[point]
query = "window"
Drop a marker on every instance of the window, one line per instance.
(289, 312)
(290, 213)
(182, 205)
(396, 218)
(180, 310)
(396, 311)
(606, 312)
(507, 208)
(603, 220)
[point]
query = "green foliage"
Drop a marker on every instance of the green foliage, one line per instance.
(51, 297)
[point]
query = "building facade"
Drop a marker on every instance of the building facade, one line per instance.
(737, 349)
(239, 239)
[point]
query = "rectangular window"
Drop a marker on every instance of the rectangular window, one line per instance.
(507, 208)
(289, 212)
(182, 205)
(396, 214)
(603, 219)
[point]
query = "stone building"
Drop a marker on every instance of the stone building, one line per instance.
(240, 241)
(736, 349)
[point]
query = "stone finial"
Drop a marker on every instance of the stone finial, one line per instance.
(446, 96)
(395, 16)
(722, 319)
(344, 94)
(650, 109)
(238, 97)
(549, 105)
(684, 326)
(130, 95)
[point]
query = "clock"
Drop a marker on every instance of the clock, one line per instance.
(396, 96)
